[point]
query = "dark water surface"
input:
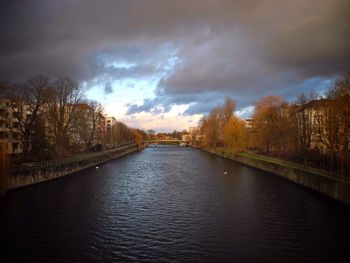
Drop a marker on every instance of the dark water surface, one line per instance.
(172, 205)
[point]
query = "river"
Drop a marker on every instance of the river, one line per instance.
(172, 204)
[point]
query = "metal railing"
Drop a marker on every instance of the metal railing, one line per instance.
(71, 163)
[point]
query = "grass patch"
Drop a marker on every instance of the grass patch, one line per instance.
(225, 152)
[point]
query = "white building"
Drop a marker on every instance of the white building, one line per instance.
(109, 122)
(249, 124)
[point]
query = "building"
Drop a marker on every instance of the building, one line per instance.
(187, 137)
(109, 122)
(324, 124)
(110, 131)
(193, 135)
(13, 121)
(10, 131)
(249, 124)
(101, 129)
(193, 130)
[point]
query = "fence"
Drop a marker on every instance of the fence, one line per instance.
(36, 172)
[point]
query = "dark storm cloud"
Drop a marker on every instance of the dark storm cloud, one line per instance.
(108, 88)
(199, 103)
(155, 106)
(243, 49)
(121, 72)
(147, 106)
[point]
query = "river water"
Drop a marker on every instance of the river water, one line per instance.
(172, 204)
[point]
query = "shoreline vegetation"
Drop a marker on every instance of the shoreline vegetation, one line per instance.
(313, 131)
(224, 152)
(48, 119)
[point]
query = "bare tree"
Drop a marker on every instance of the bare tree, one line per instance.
(341, 93)
(62, 113)
(27, 106)
(88, 117)
(303, 123)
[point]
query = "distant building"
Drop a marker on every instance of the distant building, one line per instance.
(109, 122)
(110, 131)
(187, 137)
(193, 130)
(249, 124)
(194, 135)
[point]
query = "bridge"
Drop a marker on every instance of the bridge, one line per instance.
(154, 143)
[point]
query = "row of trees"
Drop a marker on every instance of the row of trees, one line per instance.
(311, 130)
(222, 128)
(120, 134)
(54, 116)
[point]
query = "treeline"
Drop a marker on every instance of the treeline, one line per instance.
(314, 129)
(121, 134)
(53, 118)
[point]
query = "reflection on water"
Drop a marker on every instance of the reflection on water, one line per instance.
(169, 204)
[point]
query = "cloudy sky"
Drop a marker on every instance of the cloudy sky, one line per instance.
(161, 64)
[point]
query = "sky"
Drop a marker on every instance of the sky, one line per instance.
(162, 64)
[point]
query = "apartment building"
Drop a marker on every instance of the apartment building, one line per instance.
(250, 124)
(101, 129)
(110, 129)
(325, 124)
(109, 122)
(9, 125)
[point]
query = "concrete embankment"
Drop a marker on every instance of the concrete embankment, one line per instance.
(38, 172)
(4, 168)
(329, 184)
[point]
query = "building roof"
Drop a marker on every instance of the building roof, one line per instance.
(322, 103)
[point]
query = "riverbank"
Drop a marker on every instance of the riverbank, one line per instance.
(39, 172)
(326, 183)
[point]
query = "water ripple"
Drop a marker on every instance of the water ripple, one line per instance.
(173, 205)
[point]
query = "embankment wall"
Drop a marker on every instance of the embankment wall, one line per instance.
(34, 173)
(317, 180)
